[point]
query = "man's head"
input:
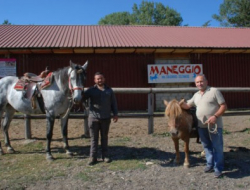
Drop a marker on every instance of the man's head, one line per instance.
(201, 82)
(99, 79)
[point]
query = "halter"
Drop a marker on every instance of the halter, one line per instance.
(71, 97)
(75, 88)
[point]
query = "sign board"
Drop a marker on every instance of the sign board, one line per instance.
(7, 67)
(173, 73)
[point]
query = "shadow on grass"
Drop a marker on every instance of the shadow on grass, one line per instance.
(237, 160)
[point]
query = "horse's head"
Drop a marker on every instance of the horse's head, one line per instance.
(173, 111)
(77, 77)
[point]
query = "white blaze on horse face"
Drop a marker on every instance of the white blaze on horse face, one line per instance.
(173, 126)
(76, 86)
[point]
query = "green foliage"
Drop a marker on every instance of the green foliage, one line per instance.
(147, 13)
(6, 22)
(206, 24)
(225, 132)
(234, 13)
(119, 18)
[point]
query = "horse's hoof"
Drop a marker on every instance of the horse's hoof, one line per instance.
(203, 154)
(10, 150)
(186, 165)
(50, 158)
(176, 162)
(68, 153)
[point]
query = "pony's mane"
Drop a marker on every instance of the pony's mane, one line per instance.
(173, 109)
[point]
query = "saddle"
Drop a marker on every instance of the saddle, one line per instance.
(194, 133)
(31, 84)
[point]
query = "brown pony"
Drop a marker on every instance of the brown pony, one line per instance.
(180, 124)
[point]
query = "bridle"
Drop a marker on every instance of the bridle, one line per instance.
(71, 88)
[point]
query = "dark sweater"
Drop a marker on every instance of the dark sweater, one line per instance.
(102, 103)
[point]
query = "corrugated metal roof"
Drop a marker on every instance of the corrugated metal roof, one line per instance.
(69, 36)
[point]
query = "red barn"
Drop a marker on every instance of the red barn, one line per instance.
(123, 54)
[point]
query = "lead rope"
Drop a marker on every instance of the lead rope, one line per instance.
(212, 129)
(70, 98)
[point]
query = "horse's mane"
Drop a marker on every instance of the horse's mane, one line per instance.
(173, 109)
(62, 76)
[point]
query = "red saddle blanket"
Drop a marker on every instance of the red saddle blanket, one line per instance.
(21, 85)
(27, 87)
(47, 81)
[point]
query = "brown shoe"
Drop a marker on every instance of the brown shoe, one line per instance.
(92, 161)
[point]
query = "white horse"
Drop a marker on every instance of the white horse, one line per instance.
(65, 90)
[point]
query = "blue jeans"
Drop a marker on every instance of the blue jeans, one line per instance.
(213, 146)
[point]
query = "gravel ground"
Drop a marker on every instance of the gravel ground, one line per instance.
(156, 153)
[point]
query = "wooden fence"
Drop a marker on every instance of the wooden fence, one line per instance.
(150, 114)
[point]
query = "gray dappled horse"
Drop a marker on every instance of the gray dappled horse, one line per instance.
(65, 90)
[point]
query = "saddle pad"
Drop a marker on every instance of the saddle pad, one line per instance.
(47, 81)
(20, 85)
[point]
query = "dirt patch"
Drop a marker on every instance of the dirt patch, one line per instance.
(140, 161)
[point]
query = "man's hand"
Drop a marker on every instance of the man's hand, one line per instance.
(115, 118)
(211, 120)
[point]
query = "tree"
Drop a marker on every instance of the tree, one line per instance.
(206, 24)
(147, 13)
(234, 13)
(119, 18)
(6, 22)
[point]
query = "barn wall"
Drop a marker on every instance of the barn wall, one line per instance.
(227, 70)
(130, 70)
(120, 70)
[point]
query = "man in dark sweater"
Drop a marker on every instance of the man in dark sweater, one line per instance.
(102, 103)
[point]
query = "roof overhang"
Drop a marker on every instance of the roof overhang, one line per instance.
(123, 50)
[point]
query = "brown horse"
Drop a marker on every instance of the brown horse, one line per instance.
(180, 124)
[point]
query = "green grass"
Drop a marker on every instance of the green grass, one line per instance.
(28, 165)
(122, 165)
(121, 141)
(166, 134)
(83, 176)
(225, 132)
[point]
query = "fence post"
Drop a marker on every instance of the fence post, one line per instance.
(150, 112)
(27, 127)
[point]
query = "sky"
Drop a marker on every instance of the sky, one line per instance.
(89, 12)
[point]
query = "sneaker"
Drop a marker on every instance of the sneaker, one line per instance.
(92, 161)
(217, 174)
(208, 169)
(107, 160)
